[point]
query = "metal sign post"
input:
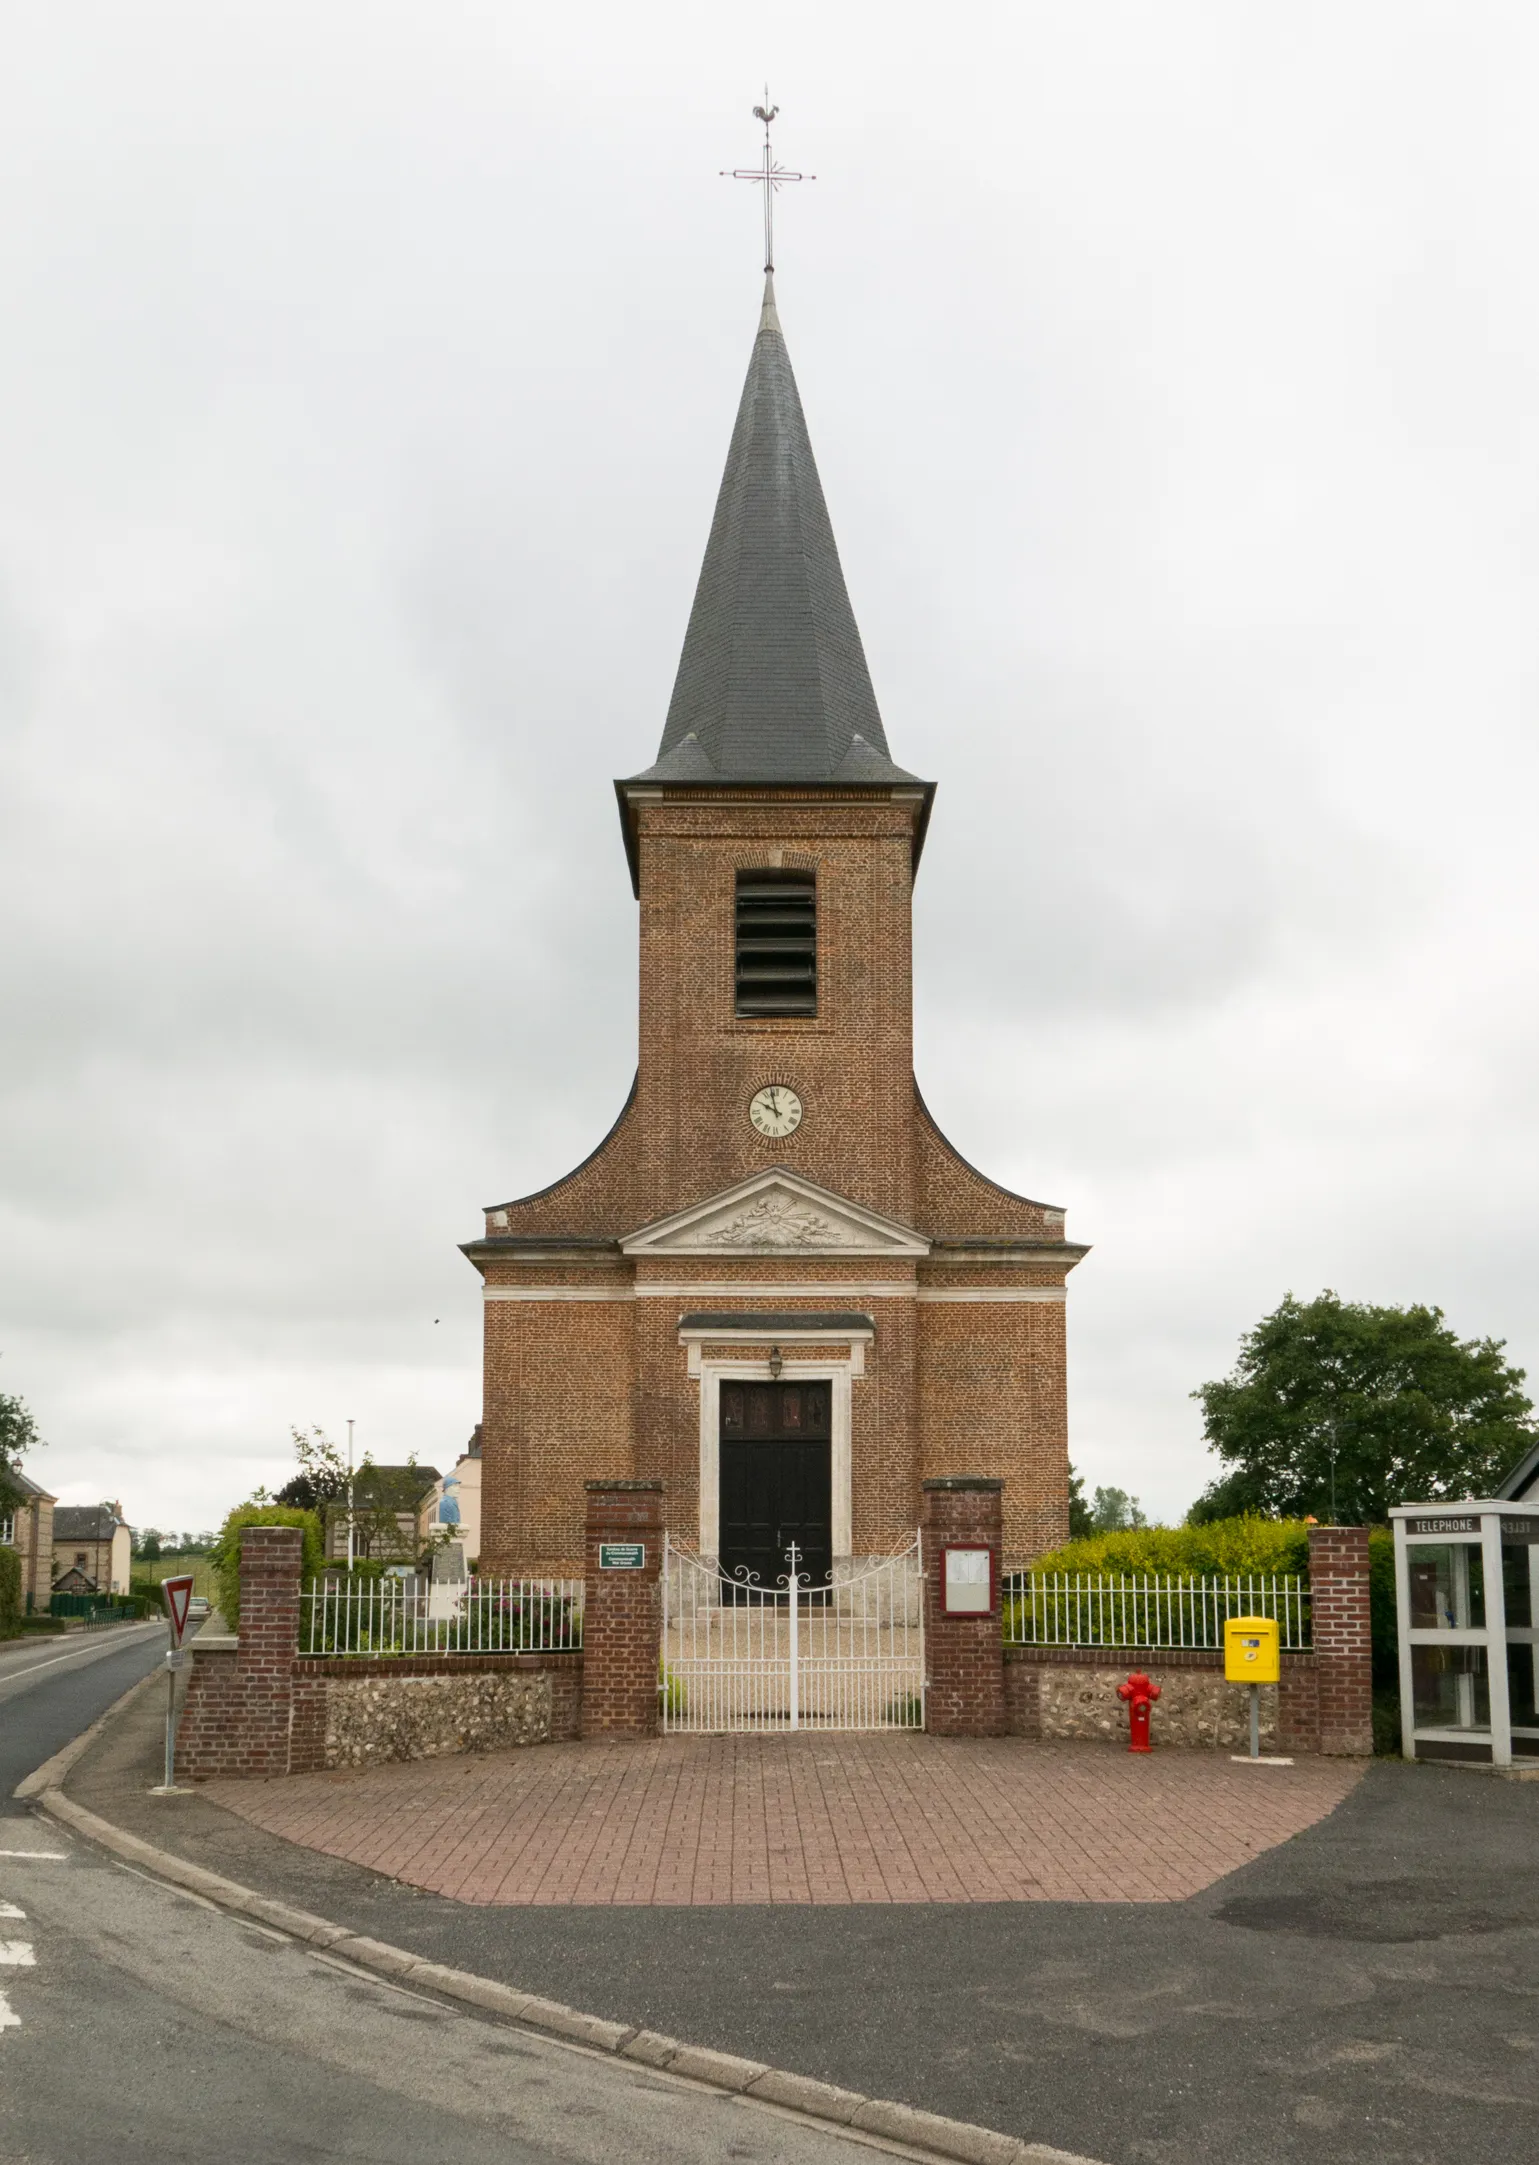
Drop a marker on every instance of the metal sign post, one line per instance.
(177, 1595)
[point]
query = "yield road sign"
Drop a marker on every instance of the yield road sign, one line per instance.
(177, 1594)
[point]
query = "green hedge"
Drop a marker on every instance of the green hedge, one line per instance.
(1232, 1548)
(1227, 1548)
(10, 1593)
(226, 1551)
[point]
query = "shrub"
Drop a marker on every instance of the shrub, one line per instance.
(226, 1552)
(1225, 1548)
(10, 1593)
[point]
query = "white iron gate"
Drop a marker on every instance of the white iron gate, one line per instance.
(741, 1656)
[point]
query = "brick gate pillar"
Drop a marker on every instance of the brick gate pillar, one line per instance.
(271, 1559)
(964, 1655)
(1343, 1638)
(622, 1618)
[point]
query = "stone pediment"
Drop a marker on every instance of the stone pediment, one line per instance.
(776, 1213)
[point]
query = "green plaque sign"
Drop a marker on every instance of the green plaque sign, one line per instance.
(622, 1556)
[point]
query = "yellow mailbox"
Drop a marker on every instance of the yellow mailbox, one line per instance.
(1252, 1650)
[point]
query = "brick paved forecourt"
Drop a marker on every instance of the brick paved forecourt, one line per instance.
(810, 1819)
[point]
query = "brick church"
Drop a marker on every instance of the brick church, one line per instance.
(774, 1287)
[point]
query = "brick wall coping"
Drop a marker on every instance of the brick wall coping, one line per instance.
(566, 1661)
(950, 1483)
(599, 1488)
(1141, 1657)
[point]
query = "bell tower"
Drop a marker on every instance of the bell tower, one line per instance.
(773, 844)
(774, 1216)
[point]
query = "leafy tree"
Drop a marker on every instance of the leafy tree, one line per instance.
(18, 1433)
(1336, 1409)
(1114, 1510)
(376, 1497)
(150, 1545)
(382, 1497)
(322, 1475)
(1080, 1521)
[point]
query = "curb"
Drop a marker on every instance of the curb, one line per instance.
(925, 2133)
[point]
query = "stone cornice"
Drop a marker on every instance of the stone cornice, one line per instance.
(990, 1250)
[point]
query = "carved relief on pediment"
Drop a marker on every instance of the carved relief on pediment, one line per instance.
(776, 1222)
(776, 1214)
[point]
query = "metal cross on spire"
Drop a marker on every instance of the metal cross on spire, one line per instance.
(769, 176)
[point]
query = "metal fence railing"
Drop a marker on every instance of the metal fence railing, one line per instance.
(95, 1608)
(1094, 1608)
(417, 1615)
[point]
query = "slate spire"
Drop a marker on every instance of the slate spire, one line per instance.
(772, 683)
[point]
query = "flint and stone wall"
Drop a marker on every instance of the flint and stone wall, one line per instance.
(375, 1718)
(255, 1707)
(1069, 1694)
(1323, 1704)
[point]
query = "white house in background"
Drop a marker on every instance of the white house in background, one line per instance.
(92, 1549)
(453, 1504)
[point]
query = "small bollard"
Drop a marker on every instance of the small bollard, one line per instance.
(1140, 1695)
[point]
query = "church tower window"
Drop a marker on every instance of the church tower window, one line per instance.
(777, 944)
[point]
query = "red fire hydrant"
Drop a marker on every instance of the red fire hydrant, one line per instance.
(1140, 1695)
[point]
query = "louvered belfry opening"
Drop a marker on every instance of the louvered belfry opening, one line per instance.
(777, 943)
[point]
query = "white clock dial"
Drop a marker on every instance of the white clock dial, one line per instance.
(775, 1111)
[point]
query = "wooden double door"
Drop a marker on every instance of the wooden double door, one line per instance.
(777, 1480)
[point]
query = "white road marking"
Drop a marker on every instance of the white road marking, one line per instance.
(9, 2019)
(46, 1856)
(16, 1954)
(32, 1668)
(9, 1909)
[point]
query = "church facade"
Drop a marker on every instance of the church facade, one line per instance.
(775, 1288)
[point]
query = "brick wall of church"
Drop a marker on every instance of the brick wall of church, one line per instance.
(851, 1063)
(558, 1412)
(580, 1390)
(991, 1394)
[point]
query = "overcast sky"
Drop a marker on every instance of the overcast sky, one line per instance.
(366, 380)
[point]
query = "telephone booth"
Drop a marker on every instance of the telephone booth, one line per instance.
(1467, 1599)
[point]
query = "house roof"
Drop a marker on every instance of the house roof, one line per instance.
(1520, 1482)
(392, 1486)
(772, 683)
(85, 1522)
(16, 1485)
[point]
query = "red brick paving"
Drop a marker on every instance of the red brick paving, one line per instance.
(847, 1818)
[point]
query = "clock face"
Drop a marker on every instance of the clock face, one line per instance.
(775, 1111)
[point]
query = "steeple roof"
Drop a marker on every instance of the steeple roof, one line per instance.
(772, 683)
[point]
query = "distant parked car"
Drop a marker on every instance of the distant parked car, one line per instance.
(199, 1605)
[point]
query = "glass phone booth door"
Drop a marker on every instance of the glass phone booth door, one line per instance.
(1467, 1595)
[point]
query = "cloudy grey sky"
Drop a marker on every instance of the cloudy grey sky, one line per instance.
(366, 378)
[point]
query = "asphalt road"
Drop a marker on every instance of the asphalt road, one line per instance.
(52, 1687)
(1367, 1994)
(139, 2025)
